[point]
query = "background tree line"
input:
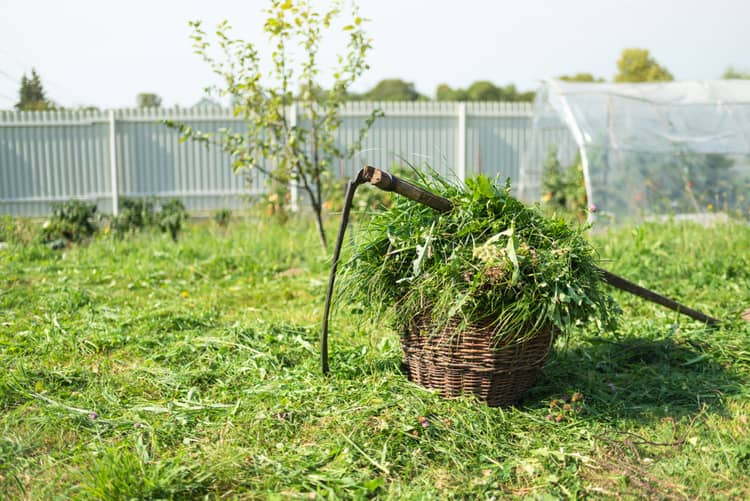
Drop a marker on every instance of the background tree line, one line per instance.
(634, 65)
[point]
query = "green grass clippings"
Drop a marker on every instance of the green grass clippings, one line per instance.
(143, 368)
(490, 256)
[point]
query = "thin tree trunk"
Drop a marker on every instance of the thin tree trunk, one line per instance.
(317, 205)
(321, 230)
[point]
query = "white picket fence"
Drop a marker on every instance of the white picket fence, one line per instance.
(48, 157)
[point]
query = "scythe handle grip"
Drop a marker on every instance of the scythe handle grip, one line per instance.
(388, 182)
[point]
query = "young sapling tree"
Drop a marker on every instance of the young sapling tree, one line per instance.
(286, 151)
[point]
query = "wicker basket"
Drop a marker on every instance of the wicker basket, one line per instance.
(471, 361)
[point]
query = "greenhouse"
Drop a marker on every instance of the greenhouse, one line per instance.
(642, 151)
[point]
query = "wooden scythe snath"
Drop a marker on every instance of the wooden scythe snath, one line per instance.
(388, 182)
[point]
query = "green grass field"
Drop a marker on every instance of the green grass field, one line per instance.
(142, 368)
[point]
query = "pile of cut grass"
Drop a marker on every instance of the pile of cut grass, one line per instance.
(143, 368)
(490, 256)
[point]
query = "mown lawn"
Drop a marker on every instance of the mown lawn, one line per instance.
(148, 369)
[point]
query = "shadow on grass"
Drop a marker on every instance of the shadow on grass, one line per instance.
(636, 378)
(631, 377)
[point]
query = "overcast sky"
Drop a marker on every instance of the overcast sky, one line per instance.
(103, 52)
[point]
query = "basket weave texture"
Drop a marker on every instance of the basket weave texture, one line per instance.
(472, 360)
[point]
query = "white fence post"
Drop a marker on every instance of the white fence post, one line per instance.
(293, 184)
(113, 163)
(461, 143)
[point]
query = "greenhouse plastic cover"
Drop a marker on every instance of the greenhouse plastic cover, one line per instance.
(647, 148)
(705, 117)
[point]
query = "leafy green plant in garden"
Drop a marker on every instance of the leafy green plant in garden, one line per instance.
(490, 256)
(135, 215)
(138, 214)
(563, 187)
(222, 217)
(171, 217)
(71, 221)
(301, 153)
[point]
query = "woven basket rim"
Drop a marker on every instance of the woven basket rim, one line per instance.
(458, 327)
